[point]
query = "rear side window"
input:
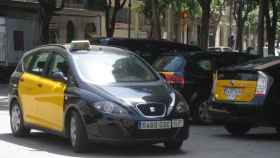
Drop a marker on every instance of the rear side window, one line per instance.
(170, 64)
(38, 64)
(202, 66)
(59, 64)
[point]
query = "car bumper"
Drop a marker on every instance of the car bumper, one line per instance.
(231, 112)
(125, 131)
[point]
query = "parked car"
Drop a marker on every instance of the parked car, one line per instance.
(251, 50)
(146, 48)
(247, 96)
(61, 89)
(192, 75)
(221, 49)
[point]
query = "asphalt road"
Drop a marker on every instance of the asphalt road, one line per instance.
(204, 142)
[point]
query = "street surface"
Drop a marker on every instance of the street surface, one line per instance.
(204, 142)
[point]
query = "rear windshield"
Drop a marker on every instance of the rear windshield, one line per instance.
(232, 60)
(248, 76)
(170, 64)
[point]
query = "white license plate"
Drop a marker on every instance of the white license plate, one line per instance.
(176, 123)
(232, 93)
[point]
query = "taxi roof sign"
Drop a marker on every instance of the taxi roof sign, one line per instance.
(80, 45)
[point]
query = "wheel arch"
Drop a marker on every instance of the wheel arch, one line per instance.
(76, 106)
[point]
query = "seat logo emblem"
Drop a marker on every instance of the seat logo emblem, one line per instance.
(152, 109)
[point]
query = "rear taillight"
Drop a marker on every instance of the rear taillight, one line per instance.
(261, 84)
(173, 79)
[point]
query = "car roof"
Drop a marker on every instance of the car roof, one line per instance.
(66, 46)
(163, 42)
(208, 53)
(257, 64)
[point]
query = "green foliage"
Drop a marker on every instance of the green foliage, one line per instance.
(191, 6)
(95, 4)
(217, 6)
(252, 21)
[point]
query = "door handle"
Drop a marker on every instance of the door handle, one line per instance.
(40, 85)
(21, 80)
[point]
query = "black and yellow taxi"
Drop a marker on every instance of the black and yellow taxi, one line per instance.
(99, 94)
(247, 96)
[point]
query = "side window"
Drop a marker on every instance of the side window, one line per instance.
(202, 66)
(26, 62)
(38, 64)
(205, 65)
(59, 64)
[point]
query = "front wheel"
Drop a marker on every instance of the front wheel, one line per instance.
(78, 134)
(173, 145)
(16, 121)
(237, 129)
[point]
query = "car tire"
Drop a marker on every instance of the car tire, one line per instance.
(17, 122)
(173, 145)
(201, 114)
(77, 132)
(237, 129)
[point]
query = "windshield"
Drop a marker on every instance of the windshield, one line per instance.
(105, 68)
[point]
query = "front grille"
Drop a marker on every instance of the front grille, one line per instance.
(152, 109)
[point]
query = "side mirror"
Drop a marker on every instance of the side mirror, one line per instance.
(59, 76)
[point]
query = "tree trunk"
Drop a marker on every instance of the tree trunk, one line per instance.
(271, 25)
(45, 29)
(204, 33)
(240, 26)
(107, 21)
(156, 29)
(177, 27)
(261, 27)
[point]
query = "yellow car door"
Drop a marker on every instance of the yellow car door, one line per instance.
(29, 86)
(51, 107)
(51, 104)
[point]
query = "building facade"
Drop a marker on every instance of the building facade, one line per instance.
(75, 22)
(19, 30)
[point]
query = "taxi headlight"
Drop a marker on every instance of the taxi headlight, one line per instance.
(110, 108)
(182, 107)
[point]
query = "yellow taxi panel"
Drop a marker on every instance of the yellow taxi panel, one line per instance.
(42, 101)
(235, 90)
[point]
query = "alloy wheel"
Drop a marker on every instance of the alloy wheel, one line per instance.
(73, 131)
(16, 118)
(203, 113)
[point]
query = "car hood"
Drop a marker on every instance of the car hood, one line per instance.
(140, 94)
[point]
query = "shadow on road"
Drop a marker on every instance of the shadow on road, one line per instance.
(253, 137)
(53, 144)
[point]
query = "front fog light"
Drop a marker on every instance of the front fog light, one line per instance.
(182, 107)
(110, 108)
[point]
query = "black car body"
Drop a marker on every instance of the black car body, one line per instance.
(192, 75)
(247, 95)
(96, 94)
(146, 48)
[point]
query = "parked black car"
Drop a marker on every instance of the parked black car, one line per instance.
(247, 96)
(146, 48)
(192, 75)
